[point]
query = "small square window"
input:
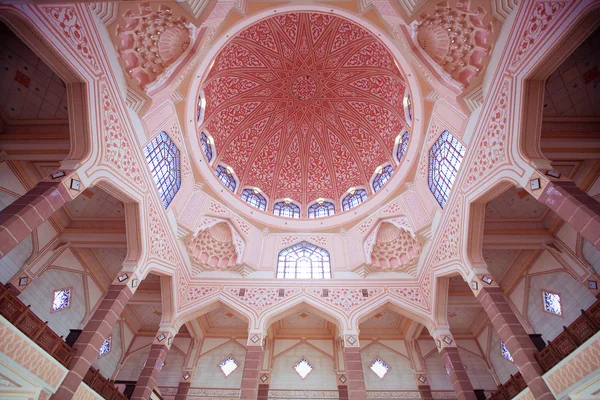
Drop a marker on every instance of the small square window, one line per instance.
(505, 353)
(303, 368)
(552, 303)
(379, 368)
(228, 366)
(105, 348)
(61, 299)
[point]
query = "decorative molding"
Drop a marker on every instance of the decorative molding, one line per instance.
(133, 99)
(501, 9)
(107, 12)
(474, 98)
(303, 394)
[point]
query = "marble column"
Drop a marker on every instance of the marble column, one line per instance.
(425, 392)
(354, 372)
(92, 337)
(154, 363)
(515, 339)
(457, 374)
(252, 367)
(577, 208)
(182, 390)
(29, 211)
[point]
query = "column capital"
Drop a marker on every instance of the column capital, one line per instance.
(165, 336)
(350, 338)
(255, 338)
(443, 338)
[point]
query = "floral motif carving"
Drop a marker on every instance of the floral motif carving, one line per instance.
(347, 299)
(151, 41)
(417, 214)
(216, 208)
(543, 14)
(392, 208)
(65, 18)
(243, 226)
(456, 38)
(261, 298)
(159, 239)
(364, 227)
(288, 240)
(491, 145)
(195, 293)
(192, 210)
(118, 149)
(414, 295)
(426, 286)
(448, 247)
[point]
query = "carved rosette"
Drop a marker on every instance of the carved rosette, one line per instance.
(213, 248)
(456, 38)
(152, 41)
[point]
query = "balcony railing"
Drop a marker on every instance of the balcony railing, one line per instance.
(34, 328)
(102, 386)
(583, 328)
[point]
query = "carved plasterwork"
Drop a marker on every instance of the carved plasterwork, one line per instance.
(456, 38)
(393, 246)
(215, 245)
(153, 41)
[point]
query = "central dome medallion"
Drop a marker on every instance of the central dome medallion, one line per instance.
(304, 106)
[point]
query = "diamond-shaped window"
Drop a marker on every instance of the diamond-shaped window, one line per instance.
(552, 303)
(105, 348)
(228, 366)
(303, 368)
(379, 367)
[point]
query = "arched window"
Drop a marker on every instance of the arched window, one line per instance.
(206, 146)
(163, 158)
(445, 157)
(322, 209)
(254, 198)
(382, 177)
(226, 177)
(402, 146)
(286, 209)
(303, 261)
(353, 199)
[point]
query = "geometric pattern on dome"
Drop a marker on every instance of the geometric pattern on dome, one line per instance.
(394, 249)
(456, 38)
(303, 261)
(353, 199)
(213, 248)
(164, 160)
(304, 105)
(445, 157)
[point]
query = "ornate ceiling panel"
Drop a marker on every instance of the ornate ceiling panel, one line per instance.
(304, 105)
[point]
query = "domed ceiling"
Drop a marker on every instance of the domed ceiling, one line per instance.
(304, 106)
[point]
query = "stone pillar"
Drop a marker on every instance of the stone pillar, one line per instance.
(515, 338)
(354, 369)
(182, 390)
(577, 208)
(343, 392)
(154, 363)
(263, 392)
(252, 366)
(425, 392)
(29, 211)
(91, 339)
(457, 373)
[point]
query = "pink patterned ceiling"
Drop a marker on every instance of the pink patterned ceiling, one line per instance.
(304, 105)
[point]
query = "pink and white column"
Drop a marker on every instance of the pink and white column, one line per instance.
(252, 366)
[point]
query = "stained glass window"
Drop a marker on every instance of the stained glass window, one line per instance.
(105, 348)
(505, 353)
(445, 157)
(552, 303)
(254, 198)
(286, 209)
(61, 299)
(304, 261)
(379, 367)
(228, 365)
(163, 158)
(323, 209)
(402, 146)
(303, 368)
(226, 177)
(206, 146)
(382, 177)
(353, 199)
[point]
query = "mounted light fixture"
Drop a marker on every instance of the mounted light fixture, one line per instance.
(554, 174)
(486, 279)
(76, 184)
(123, 277)
(535, 184)
(58, 174)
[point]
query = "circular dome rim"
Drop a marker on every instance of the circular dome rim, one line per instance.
(233, 200)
